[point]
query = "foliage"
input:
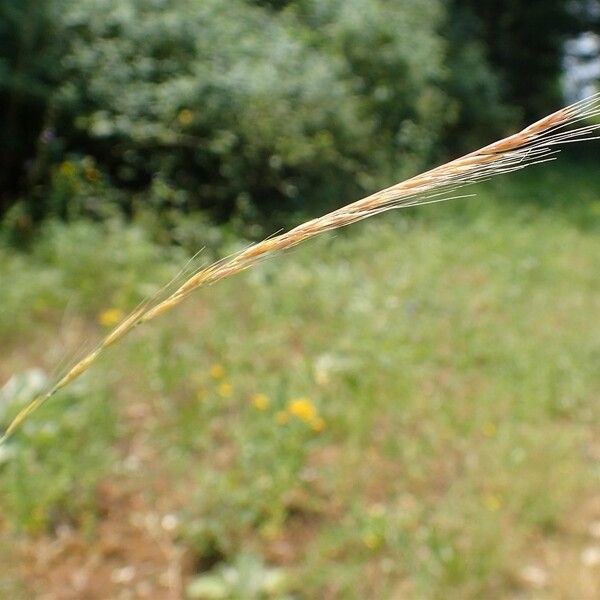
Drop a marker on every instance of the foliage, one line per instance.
(246, 579)
(43, 485)
(262, 115)
(77, 262)
(228, 111)
(290, 107)
(474, 90)
(395, 56)
(30, 48)
(528, 67)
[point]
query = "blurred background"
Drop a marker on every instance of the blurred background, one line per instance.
(407, 409)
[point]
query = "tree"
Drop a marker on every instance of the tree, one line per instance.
(30, 48)
(260, 115)
(523, 42)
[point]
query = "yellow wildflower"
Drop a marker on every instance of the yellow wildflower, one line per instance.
(217, 371)
(492, 503)
(225, 389)
(371, 540)
(489, 429)
(67, 168)
(270, 531)
(302, 408)
(91, 173)
(317, 424)
(185, 117)
(282, 417)
(260, 401)
(110, 317)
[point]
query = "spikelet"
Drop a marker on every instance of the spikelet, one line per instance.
(535, 144)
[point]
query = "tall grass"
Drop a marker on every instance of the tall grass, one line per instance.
(533, 145)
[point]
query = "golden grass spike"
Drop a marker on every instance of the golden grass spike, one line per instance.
(531, 145)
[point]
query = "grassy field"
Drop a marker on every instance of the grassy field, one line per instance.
(405, 410)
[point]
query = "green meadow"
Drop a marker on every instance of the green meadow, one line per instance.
(407, 409)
